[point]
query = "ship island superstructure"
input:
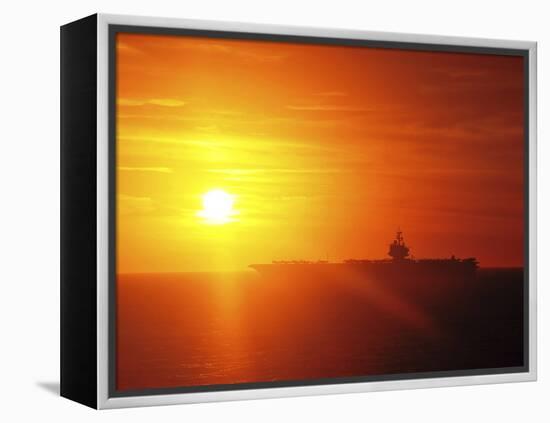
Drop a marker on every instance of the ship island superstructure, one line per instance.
(400, 265)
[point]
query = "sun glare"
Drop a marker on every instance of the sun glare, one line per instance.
(217, 207)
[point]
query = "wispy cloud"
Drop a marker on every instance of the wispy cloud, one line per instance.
(275, 170)
(146, 169)
(165, 102)
(128, 49)
(135, 205)
(242, 52)
(332, 94)
(328, 108)
(242, 145)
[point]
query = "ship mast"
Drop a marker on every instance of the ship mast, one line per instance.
(398, 248)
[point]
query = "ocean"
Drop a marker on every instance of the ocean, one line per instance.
(196, 329)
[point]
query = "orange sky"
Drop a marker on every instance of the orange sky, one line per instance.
(326, 150)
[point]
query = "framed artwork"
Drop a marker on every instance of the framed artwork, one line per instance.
(253, 211)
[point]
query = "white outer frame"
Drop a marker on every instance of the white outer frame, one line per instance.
(103, 400)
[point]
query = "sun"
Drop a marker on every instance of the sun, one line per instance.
(217, 207)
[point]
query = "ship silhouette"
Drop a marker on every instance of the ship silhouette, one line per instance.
(401, 265)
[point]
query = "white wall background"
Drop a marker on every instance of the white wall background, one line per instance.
(29, 199)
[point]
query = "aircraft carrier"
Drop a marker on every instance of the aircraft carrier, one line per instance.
(400, 266)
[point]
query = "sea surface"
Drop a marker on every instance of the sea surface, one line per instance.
(192, 329)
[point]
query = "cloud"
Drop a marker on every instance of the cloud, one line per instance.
(128, 49)
(133, 205)
(164, 102)
(233, 48)
(146, 169)
(332, 94)
(244, 52)
(328, 108)
(231, 144)
(275, 170)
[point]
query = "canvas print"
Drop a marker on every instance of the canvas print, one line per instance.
(293, 212)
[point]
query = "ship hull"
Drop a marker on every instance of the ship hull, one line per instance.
(443, 271)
